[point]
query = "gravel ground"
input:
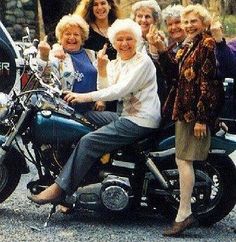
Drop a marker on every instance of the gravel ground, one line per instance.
(18, 215)
(20, 220)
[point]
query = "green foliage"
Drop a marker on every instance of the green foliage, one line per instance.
(229, 24)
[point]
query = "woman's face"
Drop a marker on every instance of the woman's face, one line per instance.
(125, 44)
(101, 9)
(192, 25)
(71, 39)
(174, 28)
(144, 18)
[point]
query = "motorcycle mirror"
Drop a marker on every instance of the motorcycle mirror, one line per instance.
(27, 38)
(27, 30)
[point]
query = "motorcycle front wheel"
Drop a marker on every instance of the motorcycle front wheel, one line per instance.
(9, 178)
(214, 193)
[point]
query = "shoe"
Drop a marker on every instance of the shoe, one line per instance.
(40, 201)
(179, 227)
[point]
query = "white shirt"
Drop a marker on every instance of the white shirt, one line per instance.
(134, 83)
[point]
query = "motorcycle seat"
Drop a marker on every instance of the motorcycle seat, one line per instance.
(150, 142)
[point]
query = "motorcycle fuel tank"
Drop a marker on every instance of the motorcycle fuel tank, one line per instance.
(49, 127)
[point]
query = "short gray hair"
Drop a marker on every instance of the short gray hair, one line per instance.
(172, 11)
(152, 4)
(72, 20)
(124, 25)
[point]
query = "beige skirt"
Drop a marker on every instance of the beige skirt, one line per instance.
(187, 146)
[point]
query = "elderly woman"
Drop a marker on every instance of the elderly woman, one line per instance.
(196, 103)
(176, 35)
(171, 18)
(131, 78)
(76, 70)
(147, 14)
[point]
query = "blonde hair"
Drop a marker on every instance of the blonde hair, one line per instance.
(72, 20)
(124, 25)
(199, 10)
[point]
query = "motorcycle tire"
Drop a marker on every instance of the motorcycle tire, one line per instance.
(221, 199)
(9, 178)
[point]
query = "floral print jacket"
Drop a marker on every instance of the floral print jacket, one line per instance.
(197, 92)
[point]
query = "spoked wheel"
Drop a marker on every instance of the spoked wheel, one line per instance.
(9, 179)
(214, 194)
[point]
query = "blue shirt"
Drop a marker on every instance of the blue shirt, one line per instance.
(86, 77)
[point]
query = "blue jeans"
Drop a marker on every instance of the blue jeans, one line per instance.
(117, 133)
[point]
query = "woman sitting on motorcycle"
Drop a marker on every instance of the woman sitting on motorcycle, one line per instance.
(131, 79)
(75, 67)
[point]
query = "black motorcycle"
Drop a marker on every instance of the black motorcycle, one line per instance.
(141, 175)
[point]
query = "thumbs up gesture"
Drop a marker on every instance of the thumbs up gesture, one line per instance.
(44, 49)
(102, 60)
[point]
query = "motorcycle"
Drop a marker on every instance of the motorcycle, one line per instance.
(141, 175)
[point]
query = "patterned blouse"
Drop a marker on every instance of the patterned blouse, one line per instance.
(196, 91)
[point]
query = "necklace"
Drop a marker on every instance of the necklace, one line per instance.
(103, 33)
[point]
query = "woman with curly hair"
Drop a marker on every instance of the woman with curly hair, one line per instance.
(196, 103)
(77, 70)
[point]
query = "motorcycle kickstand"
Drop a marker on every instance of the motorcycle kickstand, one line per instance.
(52, 211)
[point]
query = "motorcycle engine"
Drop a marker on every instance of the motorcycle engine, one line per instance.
(116, 193)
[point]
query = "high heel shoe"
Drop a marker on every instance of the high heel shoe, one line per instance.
(179, 227)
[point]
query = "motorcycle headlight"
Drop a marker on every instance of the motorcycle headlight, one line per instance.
(4, 105)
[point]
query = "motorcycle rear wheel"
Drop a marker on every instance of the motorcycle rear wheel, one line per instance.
(209, 205)
(9, 178)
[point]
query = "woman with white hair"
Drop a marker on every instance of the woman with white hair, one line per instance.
(176, 35)
(171, 17)
(76, 70)
(131, 79)
(147, 14)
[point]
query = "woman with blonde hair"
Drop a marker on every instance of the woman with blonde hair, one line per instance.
(196, 103)
(76, 70)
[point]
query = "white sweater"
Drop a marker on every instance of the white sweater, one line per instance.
(134, 83)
